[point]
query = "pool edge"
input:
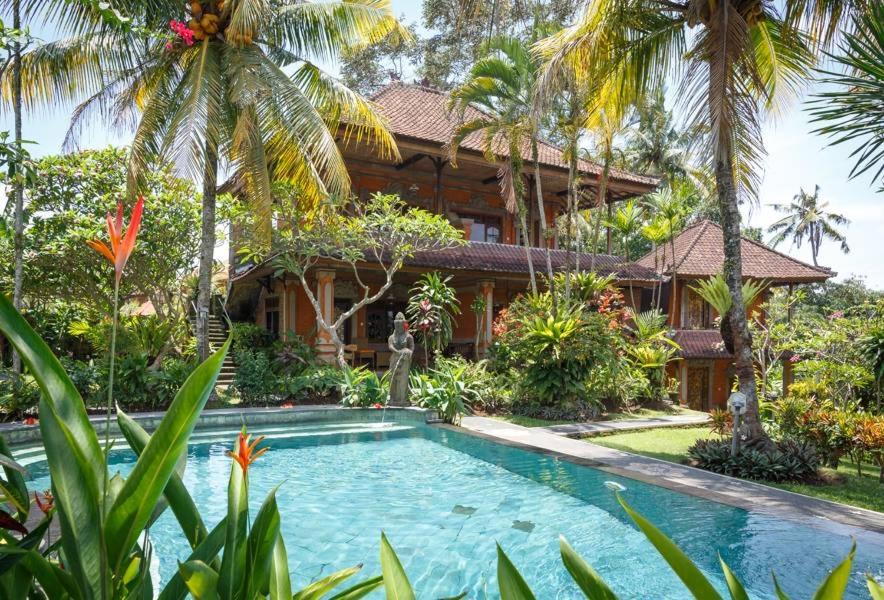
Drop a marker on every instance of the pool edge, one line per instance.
(747, 495)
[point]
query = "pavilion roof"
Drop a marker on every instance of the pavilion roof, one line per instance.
(699, 252)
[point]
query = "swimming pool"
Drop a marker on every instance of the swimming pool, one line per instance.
(444, 498)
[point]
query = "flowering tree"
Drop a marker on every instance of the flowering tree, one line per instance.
(379, 235)
(431, 308)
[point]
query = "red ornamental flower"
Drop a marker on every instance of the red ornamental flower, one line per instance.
(29, 421)
(48, 502)
(245, 452)
(286, 405)
(378, 405)
(122, 244)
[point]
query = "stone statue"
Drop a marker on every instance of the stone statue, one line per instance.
(401, 344)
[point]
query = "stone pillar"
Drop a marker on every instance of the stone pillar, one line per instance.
(486, 289)
(325, 295)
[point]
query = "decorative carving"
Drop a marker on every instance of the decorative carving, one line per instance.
(401, 344)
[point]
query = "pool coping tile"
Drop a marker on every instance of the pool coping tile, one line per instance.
(748, 495)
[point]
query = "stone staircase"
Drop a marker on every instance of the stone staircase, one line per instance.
(217, 336)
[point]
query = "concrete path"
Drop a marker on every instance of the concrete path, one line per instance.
(843, 519)
(597, 427)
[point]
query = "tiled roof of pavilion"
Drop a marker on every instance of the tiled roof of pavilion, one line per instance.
(699, 252)
(700, 343)
(504, 259)
(509, 258)
(422, 113)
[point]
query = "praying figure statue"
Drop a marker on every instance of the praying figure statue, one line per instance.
(401, 344)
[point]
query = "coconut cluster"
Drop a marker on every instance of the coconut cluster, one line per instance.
(752, 12)
(211, 18)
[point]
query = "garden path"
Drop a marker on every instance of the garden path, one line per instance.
(597, 427)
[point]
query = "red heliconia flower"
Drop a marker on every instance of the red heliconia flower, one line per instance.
(48, 502)
(29, 421)
(378, 405)
(122, 244)
(245, 452)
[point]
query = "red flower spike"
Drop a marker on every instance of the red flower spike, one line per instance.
(48, 502)
(122, 244)
(245, 453)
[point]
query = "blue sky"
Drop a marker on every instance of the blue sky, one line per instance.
(796, 158)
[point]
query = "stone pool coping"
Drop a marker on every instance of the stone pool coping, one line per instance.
(18, 434)
(751, 496)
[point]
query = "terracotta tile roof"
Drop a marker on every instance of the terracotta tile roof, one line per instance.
(509, 258)
(498, 258)
(700, 343)
(699, 252)
(422, 113)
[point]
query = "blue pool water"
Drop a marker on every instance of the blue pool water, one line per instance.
(444, 498)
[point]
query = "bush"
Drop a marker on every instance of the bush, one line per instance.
(248, 336)
(317, 380)
(361, 387)
(254, 379)
(790, 460)
(16, 400)
(449, 388)
(292, 355)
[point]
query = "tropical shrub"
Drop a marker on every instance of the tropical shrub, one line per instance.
(292, 355)
(790, 460)
(449, 388)
(17, 398)
(721, 421)
(831, 431)
(248, 336)
(868, 438)
(431, 308)
(315, 380)
(361, 387)
(254, 379)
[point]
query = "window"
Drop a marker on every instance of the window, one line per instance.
(379, 320)
(696, 312)
(485, 228)
(271, 315)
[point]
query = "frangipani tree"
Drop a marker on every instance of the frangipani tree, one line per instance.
(380, 233)
(236, 88)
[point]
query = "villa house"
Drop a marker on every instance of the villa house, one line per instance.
(704, 367)
(493, 264)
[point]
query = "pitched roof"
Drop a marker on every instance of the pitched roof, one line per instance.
(422, 113)
(500, 258)
(699, 252)
(700, 343)
(509, 258)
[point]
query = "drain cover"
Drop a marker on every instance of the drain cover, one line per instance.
(463, 510)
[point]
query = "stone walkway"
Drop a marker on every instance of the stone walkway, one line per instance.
(597, 427)
(840, 518)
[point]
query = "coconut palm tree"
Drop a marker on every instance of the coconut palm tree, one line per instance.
(734, 60)
(502, 85)
(806, 217)
(218, 84)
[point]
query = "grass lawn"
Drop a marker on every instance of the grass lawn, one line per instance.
(641, 413)
(672, 445)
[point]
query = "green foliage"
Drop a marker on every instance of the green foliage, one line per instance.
(432, 305)
(361, 387)
(715, 291)
(254, 379)
(851, 112)
(316, 380)
(248, 336)
(449, 388)
(790, 460)
(68, 202)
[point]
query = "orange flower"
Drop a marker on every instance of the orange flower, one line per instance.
(48, 502)
(244, 453)
(122, 244)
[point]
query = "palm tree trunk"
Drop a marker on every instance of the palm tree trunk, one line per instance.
(207, 252)
(538, 191)
(733, 274)
(601, 200)
(17, 186)
(520, 208)
(572, 214)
